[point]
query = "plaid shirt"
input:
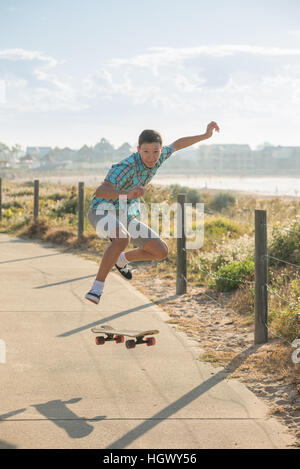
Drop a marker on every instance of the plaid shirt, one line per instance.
(126, 175)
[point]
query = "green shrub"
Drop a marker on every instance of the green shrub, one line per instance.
(56, 196)
(155, 194)
(69, 205)
(220, 225)
(222, 200)
(230, 276)
(21, 193)
(193, 196)
(12, 205)
(8, 213)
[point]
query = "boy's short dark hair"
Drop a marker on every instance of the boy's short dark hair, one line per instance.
(150, 136)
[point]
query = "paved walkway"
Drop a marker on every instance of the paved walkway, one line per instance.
(60, 390)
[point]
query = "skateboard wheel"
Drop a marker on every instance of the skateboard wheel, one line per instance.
(119, 339)
(100, 340)
(150, 341)
(130, 344)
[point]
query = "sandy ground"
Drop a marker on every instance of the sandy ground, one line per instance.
(227, 339)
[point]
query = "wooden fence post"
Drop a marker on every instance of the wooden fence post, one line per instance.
(80, 210)
(261, 278)
(181, 282)
(36, 200)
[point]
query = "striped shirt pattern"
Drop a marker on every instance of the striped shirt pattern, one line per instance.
(128, 174)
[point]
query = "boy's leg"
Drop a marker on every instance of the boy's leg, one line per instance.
(119, 241)
(155, 249)
(111, 254)
(150, 246)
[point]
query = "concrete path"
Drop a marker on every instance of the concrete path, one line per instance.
(60, 390)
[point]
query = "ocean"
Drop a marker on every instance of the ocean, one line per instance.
(272, 185)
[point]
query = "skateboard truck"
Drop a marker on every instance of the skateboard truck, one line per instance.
(118, 336)
(100, 340)
(140, 340)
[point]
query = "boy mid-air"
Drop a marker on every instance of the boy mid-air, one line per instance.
(129, 178)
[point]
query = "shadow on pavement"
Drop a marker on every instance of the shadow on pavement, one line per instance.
(12, 414)
(29, 258)
(183, 401)
(65, 281)
(116, 316)
(5, 445)
(58, 412)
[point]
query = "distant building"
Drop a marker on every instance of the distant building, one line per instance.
(28, 161)
(5, 158)
(277, 160)
(226, 158)
(4, 164)
(38, 152)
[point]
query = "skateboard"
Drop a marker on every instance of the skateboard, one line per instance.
(118, 335)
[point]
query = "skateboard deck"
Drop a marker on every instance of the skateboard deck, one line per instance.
(118, 335)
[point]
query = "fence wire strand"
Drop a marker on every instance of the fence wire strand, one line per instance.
(284, 229)
(283, 299)
(213, 212)
(269, 289)
(284, 262)
(225, 278)
(277, 336)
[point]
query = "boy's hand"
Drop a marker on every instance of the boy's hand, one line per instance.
(210, 128)
(138, 191)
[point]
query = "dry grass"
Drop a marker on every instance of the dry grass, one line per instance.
(221, 323)
(242, 301)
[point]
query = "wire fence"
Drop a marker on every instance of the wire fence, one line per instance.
(221, 277)
(270, 330)
(214, 212)
(260, 284)
(284, 229)
(261, 257)
(278, 336)
(245, 282)
(281, 298)
(284, 262)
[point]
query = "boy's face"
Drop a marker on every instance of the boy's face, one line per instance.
(150, 153)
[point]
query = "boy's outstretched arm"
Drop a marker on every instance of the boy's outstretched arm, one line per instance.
(188, 141)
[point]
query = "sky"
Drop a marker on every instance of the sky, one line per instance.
(73, 71)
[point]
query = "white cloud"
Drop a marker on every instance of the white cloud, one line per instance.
(185, 79)
(22, 54)
(159, 55)
(33, 83)
(225, 77)
(250, 88)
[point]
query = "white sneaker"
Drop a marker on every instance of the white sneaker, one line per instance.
(93, 296)
(125, 271)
